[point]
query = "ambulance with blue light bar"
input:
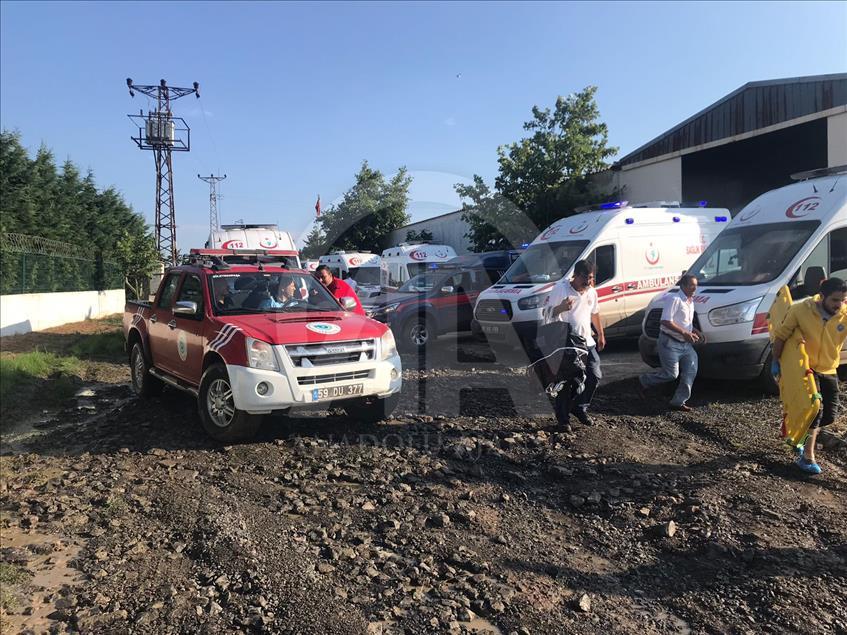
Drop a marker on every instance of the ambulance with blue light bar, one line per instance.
(795, 235)
(236, 243)
(638, 251)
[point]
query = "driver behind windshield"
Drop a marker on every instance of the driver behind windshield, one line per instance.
(285, 294)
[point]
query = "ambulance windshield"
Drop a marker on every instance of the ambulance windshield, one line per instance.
(544, 262)
(751, 255)
(364, 275)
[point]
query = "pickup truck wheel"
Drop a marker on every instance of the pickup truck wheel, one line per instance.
(417, 333)
(143, 383)
(221, 419)
(371, 409)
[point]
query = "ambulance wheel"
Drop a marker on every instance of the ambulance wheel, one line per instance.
(766, 381)
(372, 409)
(221, 419)
(143, 383)
(417, 333)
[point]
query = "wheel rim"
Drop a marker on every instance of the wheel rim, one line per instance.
(219, 403)
(138, 371)
(419, 334)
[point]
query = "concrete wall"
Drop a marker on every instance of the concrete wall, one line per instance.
(37, 311)
(447, 229)
(661, 181)
(836, 137)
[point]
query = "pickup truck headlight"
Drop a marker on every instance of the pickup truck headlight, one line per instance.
(260, 354)
(533, 301)
(387, 346)
(734, 313)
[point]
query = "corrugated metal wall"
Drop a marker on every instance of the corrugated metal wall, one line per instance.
(752, 108)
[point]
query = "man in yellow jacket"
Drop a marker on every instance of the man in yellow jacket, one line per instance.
(822, 321)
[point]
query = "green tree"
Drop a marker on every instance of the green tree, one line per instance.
(545, 175)
(137, 256)
(422, 236)
(315, 243)
(367, 213)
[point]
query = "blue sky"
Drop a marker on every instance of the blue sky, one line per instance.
(295, 96)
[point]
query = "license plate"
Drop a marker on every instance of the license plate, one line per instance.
(337, 392)
(491, 329)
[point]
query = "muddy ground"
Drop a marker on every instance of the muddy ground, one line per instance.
(468, 512)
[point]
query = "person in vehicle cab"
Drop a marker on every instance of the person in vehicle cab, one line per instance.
(337, 287)
(575, 302)
(285, 294)
(223, 298)
(677, 337)
(822, 323)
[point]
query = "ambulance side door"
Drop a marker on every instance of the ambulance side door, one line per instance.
(610, 282)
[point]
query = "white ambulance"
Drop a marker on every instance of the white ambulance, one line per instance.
(637, 250)
(255, 237)
(795, 235)
(310, 265)
(405, 261)
(361, 269)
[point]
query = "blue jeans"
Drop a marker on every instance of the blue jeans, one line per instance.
(678, 359)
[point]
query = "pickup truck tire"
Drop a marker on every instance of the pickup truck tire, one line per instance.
(416, 333)
(143, 383)
(221, 419)
(371, 409)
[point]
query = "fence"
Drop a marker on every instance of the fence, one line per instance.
(31, 264)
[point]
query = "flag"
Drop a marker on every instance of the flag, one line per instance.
(318, 206)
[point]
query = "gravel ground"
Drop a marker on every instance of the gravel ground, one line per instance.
(468, 512)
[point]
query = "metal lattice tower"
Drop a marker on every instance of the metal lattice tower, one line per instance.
(212, 180)
(164, 134)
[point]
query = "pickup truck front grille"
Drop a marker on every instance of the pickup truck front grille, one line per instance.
(317, 380)
(311, 355)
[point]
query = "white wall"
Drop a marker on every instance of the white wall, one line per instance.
(36, 311)
(836, 137)
(660, 181)
(447, 229)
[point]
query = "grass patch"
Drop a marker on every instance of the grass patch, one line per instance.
(13, 582)
(99, 346)
(116, 507)
(38, 376)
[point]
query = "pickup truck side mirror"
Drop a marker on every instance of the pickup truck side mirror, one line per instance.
(185, 308)
(447, 289)
(348, 303)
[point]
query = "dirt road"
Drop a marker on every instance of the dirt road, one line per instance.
(471, 512)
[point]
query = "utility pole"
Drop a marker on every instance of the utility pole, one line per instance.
(212, 180)
(163, 133)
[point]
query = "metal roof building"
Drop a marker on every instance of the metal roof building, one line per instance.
(744, 144)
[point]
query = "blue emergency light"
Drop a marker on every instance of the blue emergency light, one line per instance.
(433, 265)
(613, 204)
(524, 245)
(630, 221)
(702, 203)
(676, 219)
(720, 219)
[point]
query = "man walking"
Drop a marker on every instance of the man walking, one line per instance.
(822, 322)
(677, 337)
(575, 303)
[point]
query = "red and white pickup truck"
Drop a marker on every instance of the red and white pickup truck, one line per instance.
(251, 339)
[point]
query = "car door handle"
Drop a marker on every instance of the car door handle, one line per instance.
(632, 285)
(617, 289)
(172, 325)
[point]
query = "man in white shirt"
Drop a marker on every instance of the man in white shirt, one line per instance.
(677, 337)
(575, 302)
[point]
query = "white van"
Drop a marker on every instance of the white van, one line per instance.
(311, 265)
(263, 237)
(795, 235)
(360, 269)
(405, 261)
(637, 250)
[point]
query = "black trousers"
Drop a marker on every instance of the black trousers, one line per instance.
(828, 387)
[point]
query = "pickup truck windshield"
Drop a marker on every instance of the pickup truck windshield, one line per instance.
(268, 292)
(751, 255)
(422, 283)
(544, 262)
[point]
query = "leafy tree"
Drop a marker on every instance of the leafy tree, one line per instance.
(315, 243)
(545, 175)
(422, 236)
(138, 258)
(367, 213)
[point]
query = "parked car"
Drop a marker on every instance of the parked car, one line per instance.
(795, 235)
(213, 331)
(441, 300)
